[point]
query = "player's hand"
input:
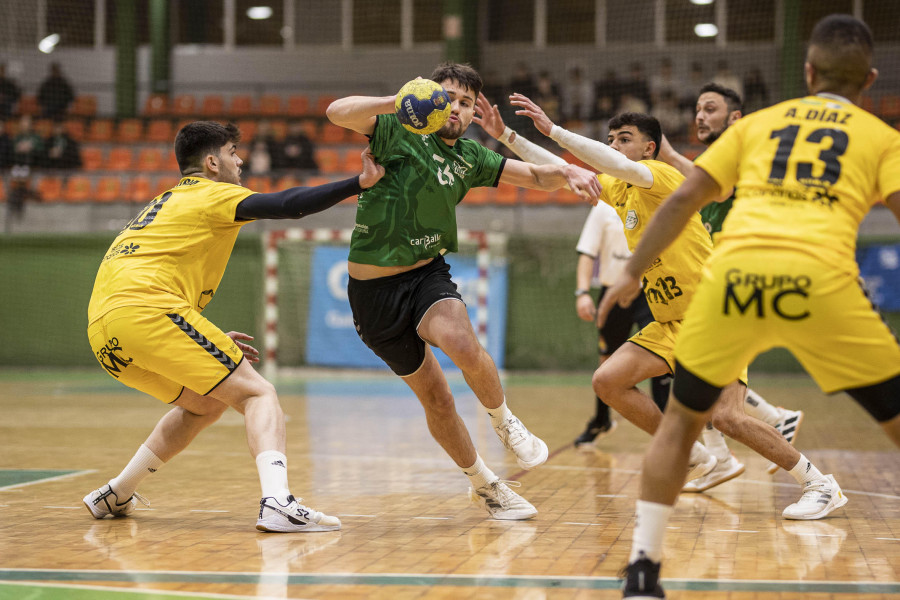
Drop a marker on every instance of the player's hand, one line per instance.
(488, 116)
(533, 112)
(583, 182)
(585, 308)
(624, 291)
(250, 353)
(371, 172)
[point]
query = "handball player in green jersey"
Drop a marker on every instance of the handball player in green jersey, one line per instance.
(399, 280)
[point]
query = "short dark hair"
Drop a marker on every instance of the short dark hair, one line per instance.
(463, 74)
(646, 124)
(844, 49)
(199, 139)
(732, 98)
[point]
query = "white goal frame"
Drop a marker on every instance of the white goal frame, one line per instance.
(487, 244)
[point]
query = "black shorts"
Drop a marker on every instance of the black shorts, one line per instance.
(619, 323)
(387, 312)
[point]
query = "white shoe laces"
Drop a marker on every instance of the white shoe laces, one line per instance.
(813, 490)
(515, 431)
(141, 499)
(505, 496)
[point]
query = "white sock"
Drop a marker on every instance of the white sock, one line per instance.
(499, 414)
(757, 407)
(272, 467)
(141, 464)
(649, 530)
(715, 443)
(804, 471)
(479, 474)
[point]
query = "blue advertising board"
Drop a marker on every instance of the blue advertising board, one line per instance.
(879, 266)
(331, 336)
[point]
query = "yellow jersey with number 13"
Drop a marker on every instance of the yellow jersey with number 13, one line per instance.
(174, 252)
(670, 281)
(807, 171)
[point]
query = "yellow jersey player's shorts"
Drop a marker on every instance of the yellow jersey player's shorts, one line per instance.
(753, 299)
(160, 352)
(659, 338)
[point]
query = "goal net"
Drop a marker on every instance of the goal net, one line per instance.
(307, 317)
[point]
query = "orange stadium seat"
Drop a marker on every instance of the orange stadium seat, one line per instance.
(109, 189)
(311, 129)
(332, 134)
(352, 161)
(506, 194)
(2, 191)
(288, 181)
(50, 188)
(213, 106)
(258, 183)
(270, 105)
(159, 130)
(139, 189)
(184, 104)
(120, 159)
(91, 158)
(170, 163)
(101, 130)
(75, 128)
(248, 129)
(279, 128)
(317, 180)
(78, 189)
(478, 195)
(28, 105)
(241, 105)
(322, 103)
(298, 105)
(150, 159)
(129, 130)
(328, 160)
(565, 196)
(889, 106)
(84, 106)
(530, 196)
(156, 105)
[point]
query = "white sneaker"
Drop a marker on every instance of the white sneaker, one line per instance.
(501, 502)
(819, 499)
(701, 462)
(293, 517)
(104, 501)
(722, 472)
(788, 424)
(530, 450)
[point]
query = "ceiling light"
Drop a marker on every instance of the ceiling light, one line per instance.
(258, 13)
(48, 44)
(706, 30)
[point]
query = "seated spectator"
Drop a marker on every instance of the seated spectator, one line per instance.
(756, 94)
(55, 94)
(28, 147)
(260, 158)
(696, 80)
(6, 147)
(522, 81)
(607, 92)
(20, 191)
(63, 152)
(9, 94)
(297, 150)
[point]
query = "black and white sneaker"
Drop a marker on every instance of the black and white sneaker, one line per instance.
(104, 501)
(293, 517)
(595, 429)
(642, 580)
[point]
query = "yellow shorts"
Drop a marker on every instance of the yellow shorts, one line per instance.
(751, 300)
(160, 352)
(659, 338)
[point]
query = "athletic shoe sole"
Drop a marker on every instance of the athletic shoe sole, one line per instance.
(725, 476)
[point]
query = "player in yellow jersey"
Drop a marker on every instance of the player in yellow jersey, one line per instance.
(783, 272)
(634, 184)
(146, 329)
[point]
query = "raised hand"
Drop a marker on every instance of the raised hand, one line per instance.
(533, 112)
(624, 291)
(488, 116)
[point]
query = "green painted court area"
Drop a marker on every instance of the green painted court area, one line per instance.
(11, 477)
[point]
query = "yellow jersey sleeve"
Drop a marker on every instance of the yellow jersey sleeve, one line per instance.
(721, 159)
(889, 173)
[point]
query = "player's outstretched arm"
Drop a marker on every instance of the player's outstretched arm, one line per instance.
(488, 116)
(298, 202)
(670, 156)
(358, 112)
(552, 177)
(596, 154)
(698, 190)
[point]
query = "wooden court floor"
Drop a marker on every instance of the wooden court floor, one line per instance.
(358, 448)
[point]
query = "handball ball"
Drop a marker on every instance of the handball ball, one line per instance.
(422, 106)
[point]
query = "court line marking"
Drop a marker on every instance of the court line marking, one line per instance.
(16, 486)
(139, 591)
(422, 579)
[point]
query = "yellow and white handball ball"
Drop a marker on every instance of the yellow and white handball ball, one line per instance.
(422, 106)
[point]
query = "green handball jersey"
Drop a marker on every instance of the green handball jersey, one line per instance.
(410, 214)
(713, 215)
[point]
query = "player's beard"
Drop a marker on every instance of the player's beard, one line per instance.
(451, 131)
(714, 134)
